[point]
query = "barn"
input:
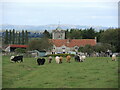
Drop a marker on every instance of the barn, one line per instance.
(11, 48)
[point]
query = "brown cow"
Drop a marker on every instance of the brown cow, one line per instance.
(68, 58)
(49, 59)
(61, 58)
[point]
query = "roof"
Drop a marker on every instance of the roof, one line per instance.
(73, 42)
(21, 46)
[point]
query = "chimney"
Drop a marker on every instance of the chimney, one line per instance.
(68, 40)
(95, 39)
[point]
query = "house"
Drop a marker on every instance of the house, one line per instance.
(62, 45)
(12, 48)
(65, 45)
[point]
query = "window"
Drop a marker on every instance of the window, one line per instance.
(76, 47)
(63, 48)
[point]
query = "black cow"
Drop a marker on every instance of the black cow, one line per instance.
(77, 58)
(16, 58)
(40, 61)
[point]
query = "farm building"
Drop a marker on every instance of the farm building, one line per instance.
(60, 44)
(12, 48)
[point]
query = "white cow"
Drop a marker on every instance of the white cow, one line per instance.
(82, 58)
(114, 57)
(57, 58)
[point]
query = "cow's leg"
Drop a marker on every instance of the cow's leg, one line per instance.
(15, 61)
(49, 61)
(38, 63)
(21, 60)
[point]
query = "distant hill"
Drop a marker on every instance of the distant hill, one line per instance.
(48, 27)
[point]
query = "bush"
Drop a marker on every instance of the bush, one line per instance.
(20, 50)
(63, 55)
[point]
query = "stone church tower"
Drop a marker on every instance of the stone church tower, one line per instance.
(58, 33)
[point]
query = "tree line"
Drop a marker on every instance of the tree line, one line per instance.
(78, 34)
(15, 37)
(109, 39)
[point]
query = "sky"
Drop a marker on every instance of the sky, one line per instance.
(73, 12)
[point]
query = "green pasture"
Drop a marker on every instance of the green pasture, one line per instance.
(94, 72)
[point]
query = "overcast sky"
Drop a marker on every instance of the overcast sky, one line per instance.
(43, 12)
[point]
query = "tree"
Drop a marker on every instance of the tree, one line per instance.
(16, 37)
(67, 34)
(104, 47)
(111, 36)
(13, 36)
(86, 48)
(73, 34)
(40, 44)
(23, 37)
(6, 37)
(88, 34)
(98, 35)
(19, 38)
(10, 37)
(20, 50)
(26, 37)
(46, 34)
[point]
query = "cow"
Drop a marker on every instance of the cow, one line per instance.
(68, 58)
(49, 59)
(114, 57)
(16, 58)
(40, 61)
(77, 58)
(61, 58)
(43, 61)
(57, 59)
(82, 58)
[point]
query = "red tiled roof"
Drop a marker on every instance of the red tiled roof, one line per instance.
(73, 42)
(21, 46)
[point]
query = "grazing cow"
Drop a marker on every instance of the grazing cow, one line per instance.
(82, 58)
(68, 58)
(40, 61)
(77, 58)
(57, 58)
(114, 57)
(49, 59)
(16, 58)
(43, 61)
(61, 58)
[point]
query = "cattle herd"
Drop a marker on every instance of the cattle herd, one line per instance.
(58, 59)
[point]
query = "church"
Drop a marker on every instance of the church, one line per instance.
(62, 45)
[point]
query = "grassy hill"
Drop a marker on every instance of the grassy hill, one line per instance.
(95, 72)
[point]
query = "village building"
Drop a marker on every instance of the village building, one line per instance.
(62, 45)
(58, 33)
(11, 48)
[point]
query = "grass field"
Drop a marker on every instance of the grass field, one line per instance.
(95, 72)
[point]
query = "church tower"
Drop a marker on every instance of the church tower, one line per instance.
(58, 33)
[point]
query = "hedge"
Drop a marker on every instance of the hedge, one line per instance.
(64, 55)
